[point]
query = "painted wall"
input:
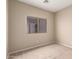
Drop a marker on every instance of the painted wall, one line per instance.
(19, 38)
(63, 20)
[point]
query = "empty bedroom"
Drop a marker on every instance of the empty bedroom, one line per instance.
(39, 29)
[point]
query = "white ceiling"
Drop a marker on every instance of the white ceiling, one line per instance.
(52, 5)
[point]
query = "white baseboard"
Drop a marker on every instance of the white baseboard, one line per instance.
(64, 44)
(47, 43)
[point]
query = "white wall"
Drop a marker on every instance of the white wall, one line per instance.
(63, 20)
(18, 36)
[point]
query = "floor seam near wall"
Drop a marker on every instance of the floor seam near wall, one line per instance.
(53, 51)
(23, 50)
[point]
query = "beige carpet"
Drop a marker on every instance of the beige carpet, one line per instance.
(48, 52)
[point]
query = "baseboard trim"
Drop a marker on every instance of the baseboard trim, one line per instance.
(64, 44)
(32, 47)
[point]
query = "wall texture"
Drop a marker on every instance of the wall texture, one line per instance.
(19, 38)
(64, 26)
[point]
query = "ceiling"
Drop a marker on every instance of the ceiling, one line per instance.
(52, 5)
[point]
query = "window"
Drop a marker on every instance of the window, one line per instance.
(42, 25)
(36, 25)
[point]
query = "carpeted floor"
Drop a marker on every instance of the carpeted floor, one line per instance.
(48, 52)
